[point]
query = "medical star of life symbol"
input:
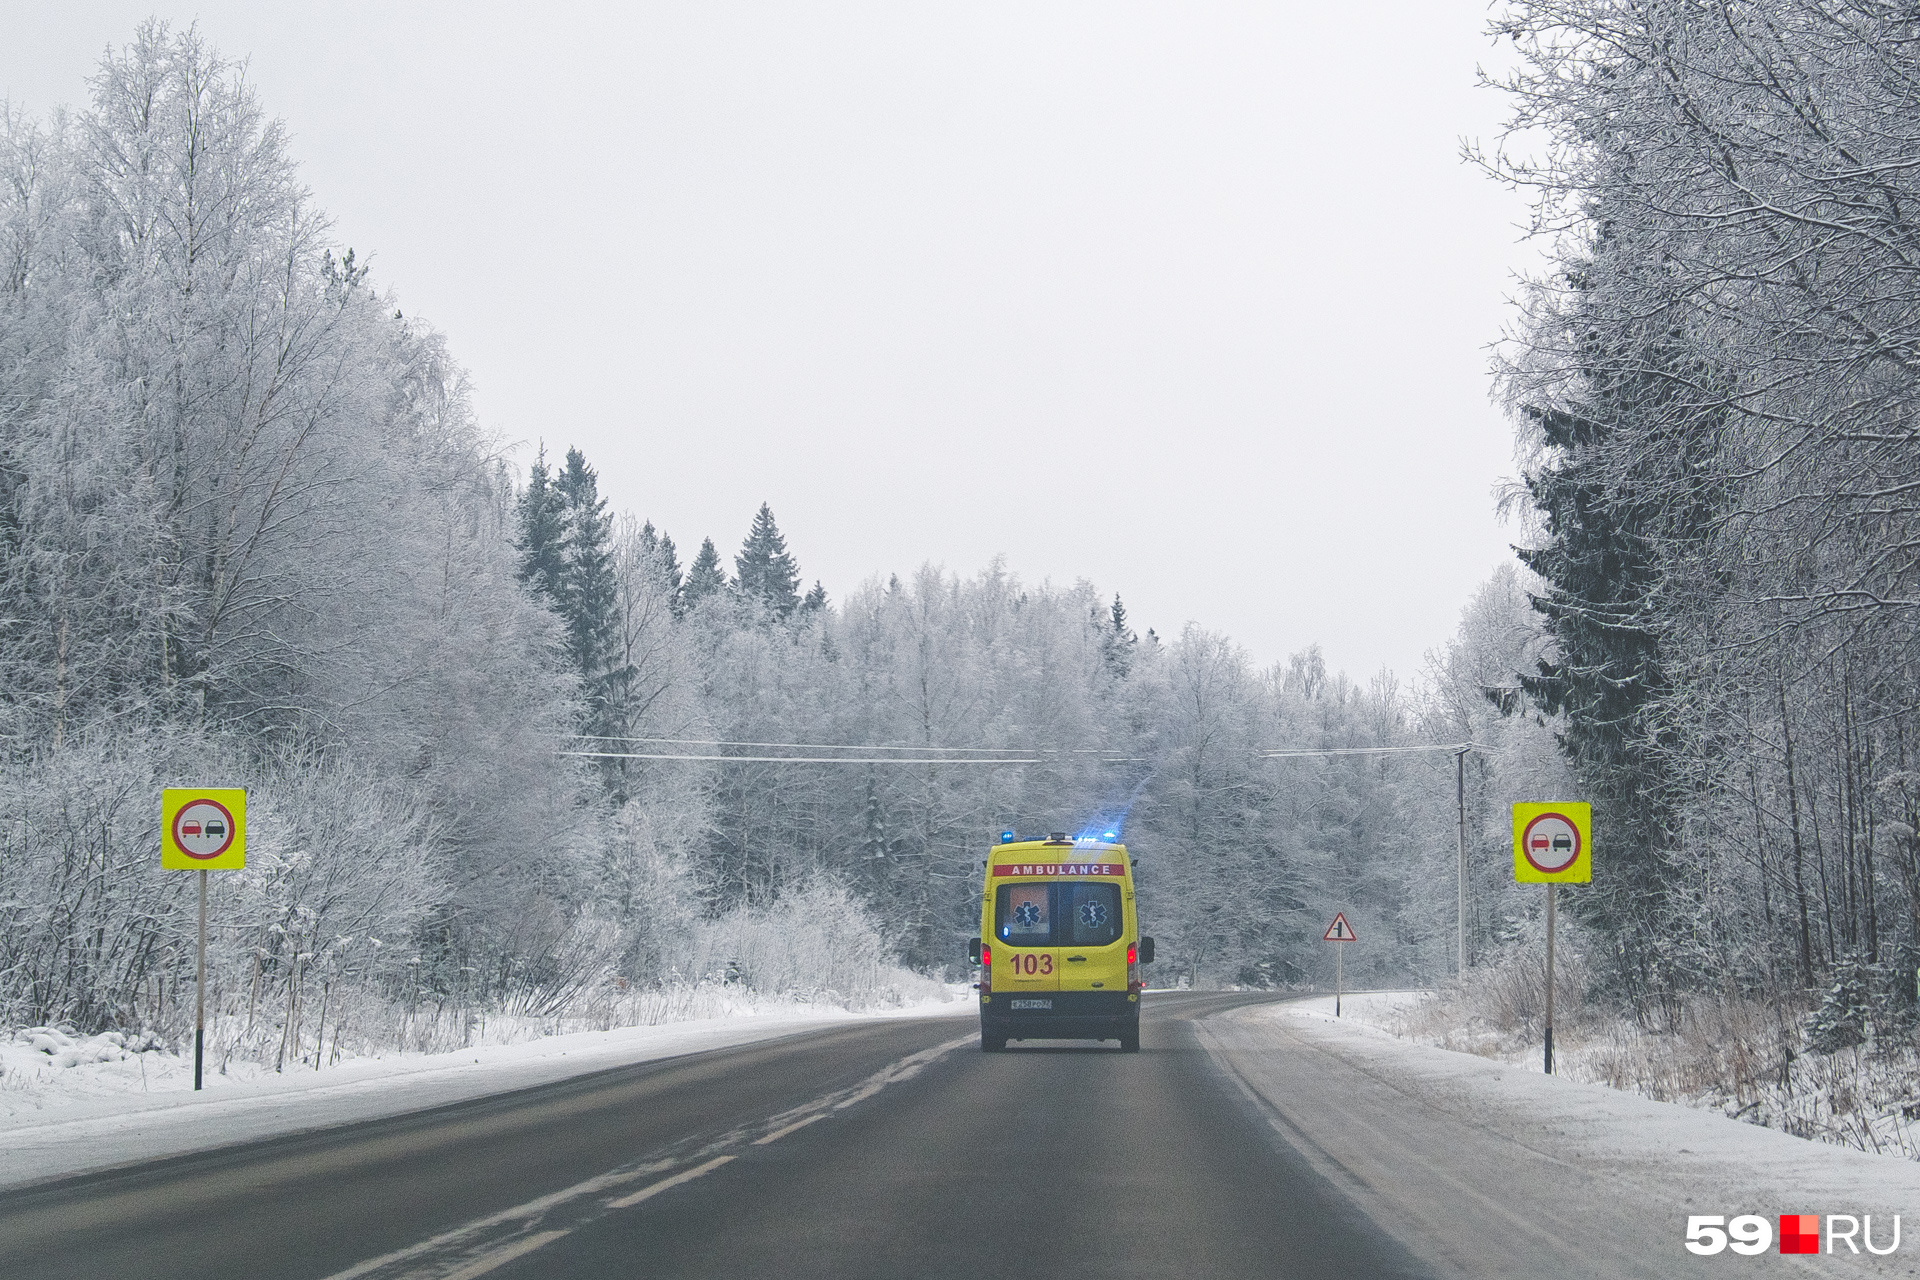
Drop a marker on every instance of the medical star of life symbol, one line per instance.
(1092, 914)
(1026, 915)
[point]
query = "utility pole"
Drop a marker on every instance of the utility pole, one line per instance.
(1460, 799)
(1459, 751)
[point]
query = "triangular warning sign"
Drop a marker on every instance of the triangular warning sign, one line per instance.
(1340, 930)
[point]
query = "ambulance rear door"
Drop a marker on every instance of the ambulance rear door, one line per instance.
(1024, 916)
(1092, 925)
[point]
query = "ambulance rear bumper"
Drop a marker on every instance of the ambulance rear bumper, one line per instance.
(1059, 1015)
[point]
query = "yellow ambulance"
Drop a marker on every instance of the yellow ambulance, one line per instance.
(1059, 947)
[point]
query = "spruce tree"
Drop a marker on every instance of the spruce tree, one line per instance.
(589, 594)
(816, 599)
(1605, 674)
(1601, 571)
(541, 537)
(706, 577)
(763, 568)
(670, 564)
(1117, 641)
(1624, 477)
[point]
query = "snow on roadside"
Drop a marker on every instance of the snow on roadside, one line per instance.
(1698, 1146)
(33, 1054)
(1862, 1096)
(1374, 1008)
(69, 1104)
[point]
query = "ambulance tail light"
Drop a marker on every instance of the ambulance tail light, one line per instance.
(1133, 969)
(986, 968)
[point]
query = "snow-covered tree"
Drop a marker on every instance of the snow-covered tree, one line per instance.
(763, 570)
(706, 578)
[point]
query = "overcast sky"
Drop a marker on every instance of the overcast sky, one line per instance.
(1189, 300)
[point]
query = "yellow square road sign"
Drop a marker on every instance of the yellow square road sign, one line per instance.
(1553, 842)
(203, 828)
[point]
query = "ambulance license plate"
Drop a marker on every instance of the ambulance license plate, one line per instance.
(1033, 1004)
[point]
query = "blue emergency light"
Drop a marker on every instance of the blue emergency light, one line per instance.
(1006, 837)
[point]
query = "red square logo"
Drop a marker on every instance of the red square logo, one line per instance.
(1799, 1233)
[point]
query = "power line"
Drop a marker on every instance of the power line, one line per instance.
(648, 755)
(794, 746)
(1453, 747)
(1035, 755)
(1459, 752)
(1000, 753)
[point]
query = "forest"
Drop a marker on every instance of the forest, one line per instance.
(508, 756)
(1714, 391)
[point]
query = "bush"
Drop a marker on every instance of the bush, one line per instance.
(1840, 1020)
(816, 942)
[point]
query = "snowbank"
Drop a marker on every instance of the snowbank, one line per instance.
(1742, 1057)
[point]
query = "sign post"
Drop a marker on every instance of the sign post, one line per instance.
(1552, 845)
(202, 829)
(1460, 801)
(1338, 932)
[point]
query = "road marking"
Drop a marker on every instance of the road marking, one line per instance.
(905, 1069)
(519, 1212)
(415, 1260)
(501, 1257)
(778, 1134)
(685, 1175)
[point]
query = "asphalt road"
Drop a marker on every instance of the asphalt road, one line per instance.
(879, 1149)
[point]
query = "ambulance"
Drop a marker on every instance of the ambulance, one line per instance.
(1059, 947)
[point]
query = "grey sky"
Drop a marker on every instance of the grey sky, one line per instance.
(1188, 300)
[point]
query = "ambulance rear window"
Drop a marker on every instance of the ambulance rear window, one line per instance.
(1057, 913)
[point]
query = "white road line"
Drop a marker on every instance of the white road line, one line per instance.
(501, 1257)
(905, 1069)
(685, 1175)
(778, 1134)
(531, 1209)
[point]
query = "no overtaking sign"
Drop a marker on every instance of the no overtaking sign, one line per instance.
(203, 828)
(1553, 843)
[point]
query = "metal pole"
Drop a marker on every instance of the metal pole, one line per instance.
(1550, 888)
(1460, 798)
(1338, 980)
(200, 984)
